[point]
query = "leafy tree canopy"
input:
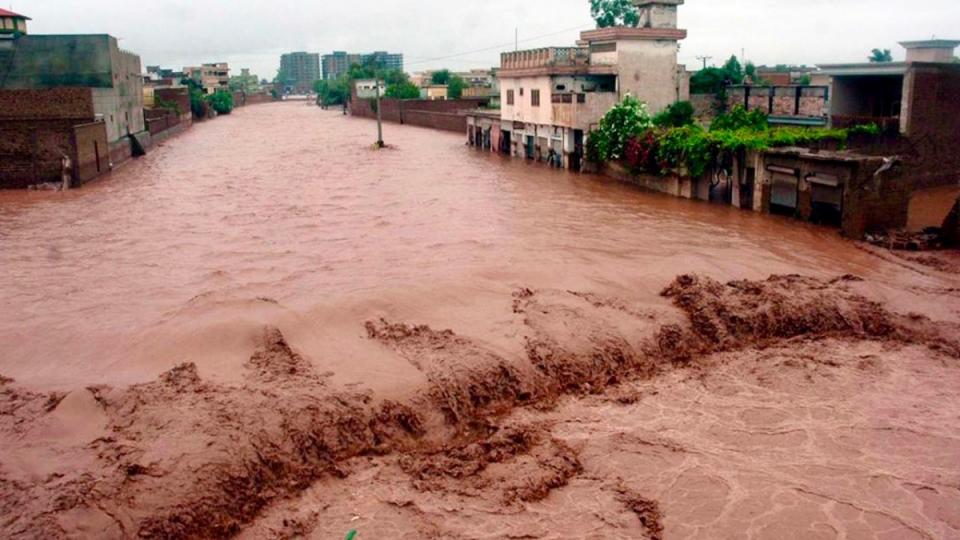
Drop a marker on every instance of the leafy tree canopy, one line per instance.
(404, 90)
(626, 120)
(881, 56)
(455, 87)
(609, 13)
(442, 76)
(714, 80)
(678, 114)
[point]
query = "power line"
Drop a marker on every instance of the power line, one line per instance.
(515, 43)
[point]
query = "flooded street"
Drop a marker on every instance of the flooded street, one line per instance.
(173, 254)
(246, 332)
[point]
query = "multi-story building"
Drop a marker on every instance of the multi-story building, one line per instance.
(87, 61)
(384, 60)
(245, 82)
(552, 97)
(70, 107)
(300, 70)
(211, 77)
(338, 63)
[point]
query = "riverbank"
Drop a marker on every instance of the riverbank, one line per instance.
(285, 343)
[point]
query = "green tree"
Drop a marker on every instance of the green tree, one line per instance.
(609, 13)
(733, 70)
(442, 76)
(455, 87)
(624, 121)
(805, 80)
(221, 101)
(404, 90)
(879, 56)
(708, 81)
(678, 114)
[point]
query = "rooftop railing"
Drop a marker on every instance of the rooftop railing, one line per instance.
(545, 57)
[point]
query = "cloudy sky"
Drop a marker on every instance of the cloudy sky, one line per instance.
(464, 35)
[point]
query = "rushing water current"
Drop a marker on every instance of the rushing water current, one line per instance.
(284, 214)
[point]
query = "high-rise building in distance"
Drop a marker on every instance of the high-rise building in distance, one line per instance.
(340, 61)
(300, 70)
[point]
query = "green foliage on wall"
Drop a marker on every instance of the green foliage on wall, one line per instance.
(695, 149)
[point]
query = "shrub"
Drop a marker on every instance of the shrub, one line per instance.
(222, 102)
(643, 153)
(739, 118)
(624, 121)
(678, 114)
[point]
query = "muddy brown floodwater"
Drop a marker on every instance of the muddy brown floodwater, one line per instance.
(265, 328)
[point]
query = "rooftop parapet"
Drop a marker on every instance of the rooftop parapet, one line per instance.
(548, 57)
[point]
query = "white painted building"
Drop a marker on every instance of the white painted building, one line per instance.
(552, 97)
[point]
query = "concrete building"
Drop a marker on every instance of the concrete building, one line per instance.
(552, 97)
(300, 70)
(80, 61)
(881, 92)
(339, 62)
(385, 60)
(12, 23)
(211, 77)
(245, 82)
(434, 92)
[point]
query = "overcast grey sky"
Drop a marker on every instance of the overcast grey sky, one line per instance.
(253, 33)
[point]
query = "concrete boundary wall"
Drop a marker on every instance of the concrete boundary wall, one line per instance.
(444, 115)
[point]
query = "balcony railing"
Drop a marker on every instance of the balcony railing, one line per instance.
(546, 57)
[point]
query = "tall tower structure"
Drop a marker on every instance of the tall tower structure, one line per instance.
(644, 59)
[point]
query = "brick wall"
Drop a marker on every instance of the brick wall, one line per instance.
(444, 121)
(179, 96)
(31, 151)
(91, 151)
(254, 99)
(933, 125)
(443, 115)
(813, 99)
(705, 106)
(75, 103)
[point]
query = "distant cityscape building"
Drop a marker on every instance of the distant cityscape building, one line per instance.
(339, 62)
(245, 82)
(210, 77)
(384, 59)
(300, 70)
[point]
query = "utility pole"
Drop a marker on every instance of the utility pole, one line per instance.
(516, 38)
(380, 144)
(704, 59)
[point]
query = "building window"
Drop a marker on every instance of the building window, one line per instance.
(535, 98)
(581, 98)
(509, 97)
(521, 91)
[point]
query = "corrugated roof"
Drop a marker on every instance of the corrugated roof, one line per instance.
(8, 13)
